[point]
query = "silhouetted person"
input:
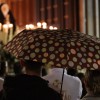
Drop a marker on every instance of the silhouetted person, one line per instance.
(29, 86)
(92, 84)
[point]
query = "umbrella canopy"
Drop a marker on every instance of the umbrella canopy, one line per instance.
(60, 48)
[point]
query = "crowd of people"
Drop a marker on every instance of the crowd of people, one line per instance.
(31, 80)
(30, 83)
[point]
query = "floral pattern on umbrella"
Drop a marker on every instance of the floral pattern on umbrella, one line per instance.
(60, 48)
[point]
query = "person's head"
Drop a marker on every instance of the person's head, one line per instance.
(4, 8)
(33, 66)
(17, 68)
(2, 69)
(72, 71)
(92, 81)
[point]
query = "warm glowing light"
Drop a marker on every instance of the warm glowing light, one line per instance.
(10, 25)
(31, 26)
(5, 28)
(55, 28)
(27, 27)
(44, 25)
(39, 25)
(51, 27)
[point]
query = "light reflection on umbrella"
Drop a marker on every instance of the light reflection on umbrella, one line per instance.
(60, 48)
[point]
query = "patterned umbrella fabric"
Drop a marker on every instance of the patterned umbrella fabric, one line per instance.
(60, 48)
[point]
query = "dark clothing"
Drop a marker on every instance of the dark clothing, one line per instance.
(26, 87)
(84, 90)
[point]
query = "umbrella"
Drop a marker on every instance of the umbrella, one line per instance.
(60, 48)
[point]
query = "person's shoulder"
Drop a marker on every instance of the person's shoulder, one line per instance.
(10, 79)
(73, 78)
(54, 93)
(76, 78)
(49, 76)
(90, 98)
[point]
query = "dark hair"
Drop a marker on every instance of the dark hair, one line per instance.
(92, 79)
(72, 71)
(33, 65)
(2, 68)
(12, 19)
(17, 68)
(44, 72)
(80, 76)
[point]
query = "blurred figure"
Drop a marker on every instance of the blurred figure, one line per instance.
(6, 15)
(71, 88)
(29, 86)
(92, 84)
(82, 77)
